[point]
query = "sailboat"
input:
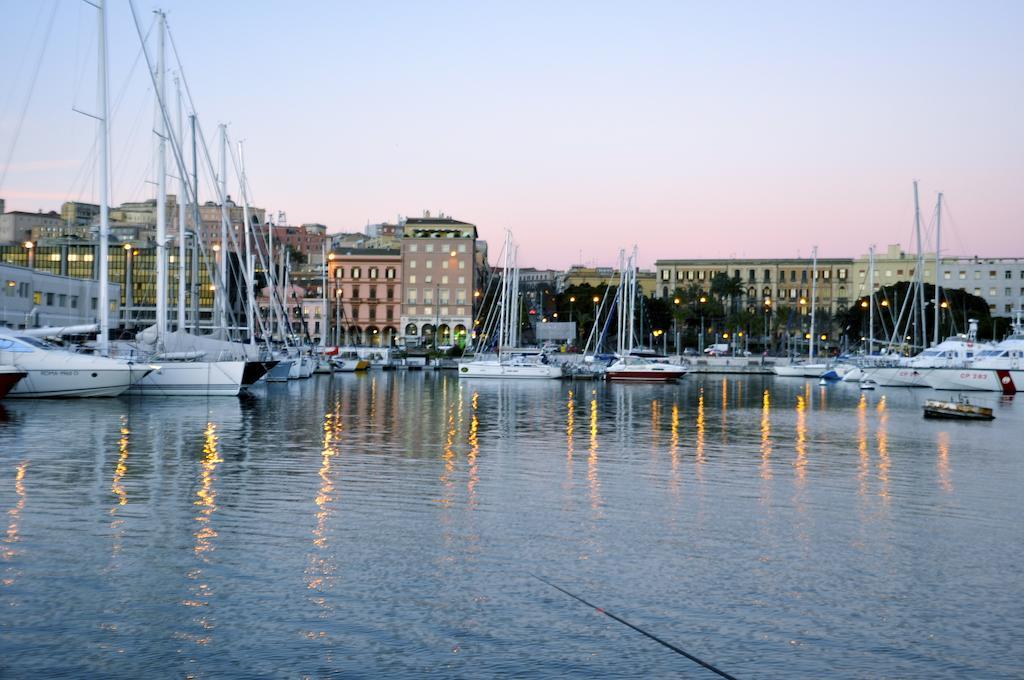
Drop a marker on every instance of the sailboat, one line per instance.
(511, 362)
(181, 371)
(808, 368)
(629, 366)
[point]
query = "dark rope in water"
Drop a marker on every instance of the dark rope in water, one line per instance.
(624, 622)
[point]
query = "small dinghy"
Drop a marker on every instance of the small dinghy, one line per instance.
(961, 409)
(868, 384)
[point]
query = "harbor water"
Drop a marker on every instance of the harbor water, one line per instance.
(392, 524)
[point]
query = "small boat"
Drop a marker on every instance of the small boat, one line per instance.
(868, 384)
(961, 409)
(640, 369)
(349, 362)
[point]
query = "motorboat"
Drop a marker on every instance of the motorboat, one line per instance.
(868, 384)
(54, 372)
(349, 362)
(514, 366)
(959, 409)
(643, 369)
(192, 376)
(958, 353)
(801, 370)
(9, 377)
(998, 368)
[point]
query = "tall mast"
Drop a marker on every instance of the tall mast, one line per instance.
(814, 300)
(871, 303)
(161, 182)
(250, 273)
(103, 341)
(197, 224)
(938, 242)
(182, 203)
(323, 291)
(918, 294)
(222, 292)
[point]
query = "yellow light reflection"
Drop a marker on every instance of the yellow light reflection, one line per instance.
(321, 569)
(800, 464)
(122, 466)
(592, 473)
(673, 450)
(206, 496)
(570, 428)
(12, 535)
(863, 453)
(945, 476)
(883, 448)
(655, 426)
(474, 451)
(766, 436)
(700, 428)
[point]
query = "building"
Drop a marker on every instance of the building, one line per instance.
(31, 298)
(783, 281)
(601, 276)
(365, 289)
(999, 280)
(79, 214)
(439, 256)
(132, 272)
(17, 226)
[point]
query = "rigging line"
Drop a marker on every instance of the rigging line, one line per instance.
(28, 96)
(643, 632)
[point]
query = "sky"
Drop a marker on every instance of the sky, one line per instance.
(692, 129)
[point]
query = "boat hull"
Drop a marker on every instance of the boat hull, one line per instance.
(494, 369)
(650, 375)
(903, 376)
(9, 377)
(977, 379)
(192, 379)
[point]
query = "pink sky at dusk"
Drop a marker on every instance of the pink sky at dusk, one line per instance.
(690, 129)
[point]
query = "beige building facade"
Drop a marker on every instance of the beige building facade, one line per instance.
(365, 289)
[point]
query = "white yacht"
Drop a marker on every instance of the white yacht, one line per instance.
(53, 372)
(515, 366)
(643, 369)
(952, 353)
(996, 368)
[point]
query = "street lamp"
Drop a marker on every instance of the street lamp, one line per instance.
(30, 247)
(675, 324)
(767, 312)
(700, 348)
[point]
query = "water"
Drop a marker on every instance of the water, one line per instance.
(387, 525)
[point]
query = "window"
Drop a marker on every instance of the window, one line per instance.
(1007, 292)
(389, 314)
(373, 272)
(860, 273)
(412, 278)
(1008, 274)
(462, 264)
(945, 275)
(767, 275)
(462, 280)
(62, 300)
(428, 296)
(443, 296)
(462, 247)
(1008, 308)
(427, 311)
(339, 273)
(37, 298)
(357, 272)
(992, 292)
(792, 276)
(412, 264)
(389, 273)
(49, 299)
(992, 274)
(963, 275)
(413, 247)
(429, 264)
(74, 302)
(411, 297)
(391, 293)
(444, 264)
(701, 275)
(412, 310)
(373, 313)
(444, 311)
(826, 274)
(803, 276)
(977, 291)
(842, 274)
(373, 292)
(899, 272)
(461, 311)
(977, 275)
(664, 275)
(444, 279)
(428, 279)
(430, 247)
(750, 275)
(460, 297)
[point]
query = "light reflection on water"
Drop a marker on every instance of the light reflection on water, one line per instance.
(385, 524)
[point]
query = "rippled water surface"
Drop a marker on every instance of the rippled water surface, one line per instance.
(388, 525)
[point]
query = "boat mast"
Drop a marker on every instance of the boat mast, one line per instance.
(250, 265)
(182, 202)
(938, 242)
(814, 300)
(196, 226)
(918, 294)
(222, 291)
(323, 294)
(103, 341)
(871, 300)
(161, 182)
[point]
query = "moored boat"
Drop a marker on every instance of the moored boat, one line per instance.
(960, 409)
(642, 369)
(9, 377)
